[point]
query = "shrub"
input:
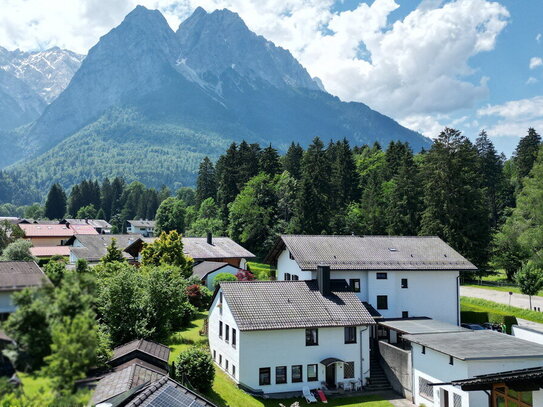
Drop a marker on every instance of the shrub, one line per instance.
(480, 317)
(245, 275)
(199, 296)
(223, 277)
(194, 368)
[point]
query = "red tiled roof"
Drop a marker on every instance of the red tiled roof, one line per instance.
(48, 251)
(83, 230)
(37, 230)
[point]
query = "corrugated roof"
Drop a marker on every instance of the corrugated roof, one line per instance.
(16, 275)
(512, 376)
(41, 230)
(203, 268)
(95, 246)
(157, 350)
(371, 252)
(481, 344)
(261, 305)
(48, 251)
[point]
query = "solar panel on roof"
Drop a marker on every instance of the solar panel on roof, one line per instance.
(174, 397)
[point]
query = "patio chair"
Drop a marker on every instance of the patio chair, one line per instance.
(309, 397)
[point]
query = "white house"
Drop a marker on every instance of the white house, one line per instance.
(282, 336)
(398, 276)
(15, 276)
(141, 227)
(439, 359)
(208, 270)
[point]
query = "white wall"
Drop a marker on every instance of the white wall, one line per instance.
(220, 346)
(6, 305)
(538, 398)
(286, 265)
(211, 276)
(286, 347)
(528, 334)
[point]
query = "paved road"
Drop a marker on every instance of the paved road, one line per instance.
(517, 300)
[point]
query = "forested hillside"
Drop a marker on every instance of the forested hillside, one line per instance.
(486, 207)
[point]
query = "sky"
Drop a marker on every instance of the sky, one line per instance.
(467, 64)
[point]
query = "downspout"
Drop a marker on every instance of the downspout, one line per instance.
(362, 354)
(458, 299)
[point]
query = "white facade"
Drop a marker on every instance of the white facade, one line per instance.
(431, 294)
(283, 347)
(210, 278)
(145, 231)
(6, 303)
(528, 334)
(435, 367)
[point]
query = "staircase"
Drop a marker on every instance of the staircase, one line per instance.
(378, 380)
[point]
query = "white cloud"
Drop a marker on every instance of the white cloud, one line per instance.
(538, 37)
(531, 80)
(515, 117)
(417, 67)
(535, 62)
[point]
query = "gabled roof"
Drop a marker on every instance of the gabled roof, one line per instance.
(142, 223)
(42, 230)
(370, 252)
(95, 223)
(95, 246)
(83, 229)
(157, 350)
(16, 275)
(203, 268)
(263, 305)
(481, 344)
(48, 251)
(123, 380)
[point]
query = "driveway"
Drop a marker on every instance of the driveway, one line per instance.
(502, 297)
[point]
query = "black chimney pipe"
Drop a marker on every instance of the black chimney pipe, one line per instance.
(209, 238)
(323, 279)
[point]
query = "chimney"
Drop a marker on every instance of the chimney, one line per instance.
(209, 238)
(323, 279)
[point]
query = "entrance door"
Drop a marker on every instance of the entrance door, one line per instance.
(445, 398)
(331, 376)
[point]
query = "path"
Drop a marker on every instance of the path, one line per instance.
(502, 297)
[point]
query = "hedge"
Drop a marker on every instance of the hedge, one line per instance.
(480, 317)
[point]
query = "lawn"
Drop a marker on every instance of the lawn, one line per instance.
(33, 384)
(505, 288)
(477, 304)
(225, 393)
(261, 271)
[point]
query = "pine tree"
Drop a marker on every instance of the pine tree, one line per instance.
(455, 208)
(113, 253)
(106, 199)
(55, 205)
(345, 178)
(248, 165)
(206, 184)
(227, 179)
(269, 161)
(313, 205)
(292, 160)
(526, 153)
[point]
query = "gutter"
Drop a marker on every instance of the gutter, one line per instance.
(362, 355)
(458, 299)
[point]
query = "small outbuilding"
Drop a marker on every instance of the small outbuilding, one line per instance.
(16, 276)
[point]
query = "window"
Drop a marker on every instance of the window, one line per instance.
(214, 354)
(220, 360)
(295, 277)
(354, 283)
(457, 400)
(280, 374)
(287, 276)
(382, 302)
(350, 334)
(348, 370)
(226, 333)
(234, 370)
(405, 314)
(502, 394)
(220, 329)
(404, 283)
(297, 375)
(451, 360)
(425, 389)
(312, 373)
(382, 276)
(234, 337)
(226, 364)
(264, 376)
(424, 350)
(311, 337)
(220, 304)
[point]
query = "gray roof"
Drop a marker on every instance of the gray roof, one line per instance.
(95, 246)
(123, 380)
(481, 344)
(16, 275)
(95, 223)
(262, 305)
(142, 223)
(203, 268)
(371, 252)
(157, 350)
(221, 248)
(421, 326)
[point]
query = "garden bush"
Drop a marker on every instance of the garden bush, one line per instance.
(194, 368)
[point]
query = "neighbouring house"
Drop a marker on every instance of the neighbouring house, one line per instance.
(208, 270)
(142, 227)
(42, 235)
(398, 276)
(100, 225)
(16, 276)
(515, 388)
(217, 249)
(10, 219)
(150, 352)
(43, 253)
(441, 358)
(282, 336)
(532, 332)
(93, 247)
(6, 367)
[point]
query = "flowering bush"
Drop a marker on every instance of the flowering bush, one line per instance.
(245, 275)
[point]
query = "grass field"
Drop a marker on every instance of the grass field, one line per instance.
(477, 304)
(33, 384)
(505, 288)
(225, 393)
(261, 271)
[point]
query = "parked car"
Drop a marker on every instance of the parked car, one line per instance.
(475, 327)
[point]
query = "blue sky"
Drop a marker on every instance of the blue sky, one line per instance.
(468, 64)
